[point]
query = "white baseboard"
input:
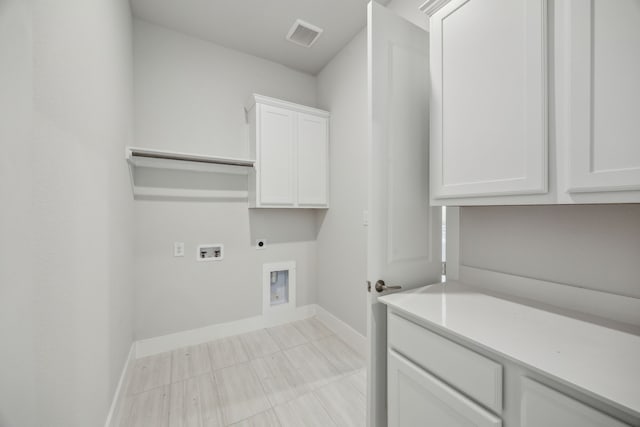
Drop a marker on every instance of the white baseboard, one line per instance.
(178, 340)
(349, 335)
(116, 403)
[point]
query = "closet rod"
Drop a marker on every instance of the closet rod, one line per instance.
(168, 155)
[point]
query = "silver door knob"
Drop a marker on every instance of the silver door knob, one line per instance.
(380, 286)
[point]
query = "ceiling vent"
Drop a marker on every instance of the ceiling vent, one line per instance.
(303, 33)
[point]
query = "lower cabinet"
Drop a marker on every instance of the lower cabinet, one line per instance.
(417, 398)
(433, 381)
(542, 406)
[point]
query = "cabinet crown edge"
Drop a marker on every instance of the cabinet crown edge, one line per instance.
(266, 100)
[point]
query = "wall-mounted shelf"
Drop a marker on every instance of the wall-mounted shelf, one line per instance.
(187, 176)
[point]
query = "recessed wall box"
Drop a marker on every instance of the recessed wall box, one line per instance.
(210, 252)
(279, 287)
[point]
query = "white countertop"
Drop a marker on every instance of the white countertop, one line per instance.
(601, 362)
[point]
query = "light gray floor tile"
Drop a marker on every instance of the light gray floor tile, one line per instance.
(312, 328)
(189, 362)
(359, 380)
(314, 368)
(241, 393)
(150, 372)
(341, 356)
(227, 352)
(280, 381)
(147, 409)
(195, 402)
(265, 419)
(287, 336)
(259, 344)
(344, 403)
(305, 411)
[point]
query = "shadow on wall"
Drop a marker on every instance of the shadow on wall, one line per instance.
(282, 225)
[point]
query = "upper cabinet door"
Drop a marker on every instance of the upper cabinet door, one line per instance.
(312, 160)
(489, 98)
(604, 82)
(276, 156)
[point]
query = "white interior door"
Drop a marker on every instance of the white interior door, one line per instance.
(404, 242)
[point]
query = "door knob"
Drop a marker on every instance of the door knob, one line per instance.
(380, 286)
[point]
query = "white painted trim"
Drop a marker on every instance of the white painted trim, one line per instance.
(118, 396)
(265, 100)
(178, 340)
(353, 338)
(618, 308)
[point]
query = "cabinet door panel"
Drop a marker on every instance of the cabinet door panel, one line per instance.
(312, 160)
(605, 95)
(276, 156)
(417, 398)
(489, 100)
(545, 407)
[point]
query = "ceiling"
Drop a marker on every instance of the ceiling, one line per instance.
(259, 27)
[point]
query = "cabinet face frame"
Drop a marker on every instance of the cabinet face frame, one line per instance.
(535, 179)
(580, 78)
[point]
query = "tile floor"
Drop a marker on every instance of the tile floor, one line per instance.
(297, 374)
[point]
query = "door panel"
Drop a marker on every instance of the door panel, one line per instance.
(605, 96)
(403, 234)
(312, 160)
(488, 75)
(276, 151)
(417, 399)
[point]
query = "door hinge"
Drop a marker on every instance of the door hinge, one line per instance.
(368, 286)
(444, 269)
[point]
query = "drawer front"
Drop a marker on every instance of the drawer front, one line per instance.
(541, 406)
(469, 372)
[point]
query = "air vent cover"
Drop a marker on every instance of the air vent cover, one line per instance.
(303, 33)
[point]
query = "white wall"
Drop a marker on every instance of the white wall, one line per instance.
(342, 247)
(590, 246)
(17, 293)
(66, 297)
(189, 97)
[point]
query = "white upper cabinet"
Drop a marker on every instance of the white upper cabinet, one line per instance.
(604, 84)
(534, 102)
(290, 143)
(489, 99)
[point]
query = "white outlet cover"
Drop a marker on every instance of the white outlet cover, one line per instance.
(260, 246)
(178, 249)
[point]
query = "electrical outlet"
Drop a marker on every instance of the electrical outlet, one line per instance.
(178, 249)
(261, 243)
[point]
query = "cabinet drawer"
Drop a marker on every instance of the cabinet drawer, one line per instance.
(469, 372)
(541, 406)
